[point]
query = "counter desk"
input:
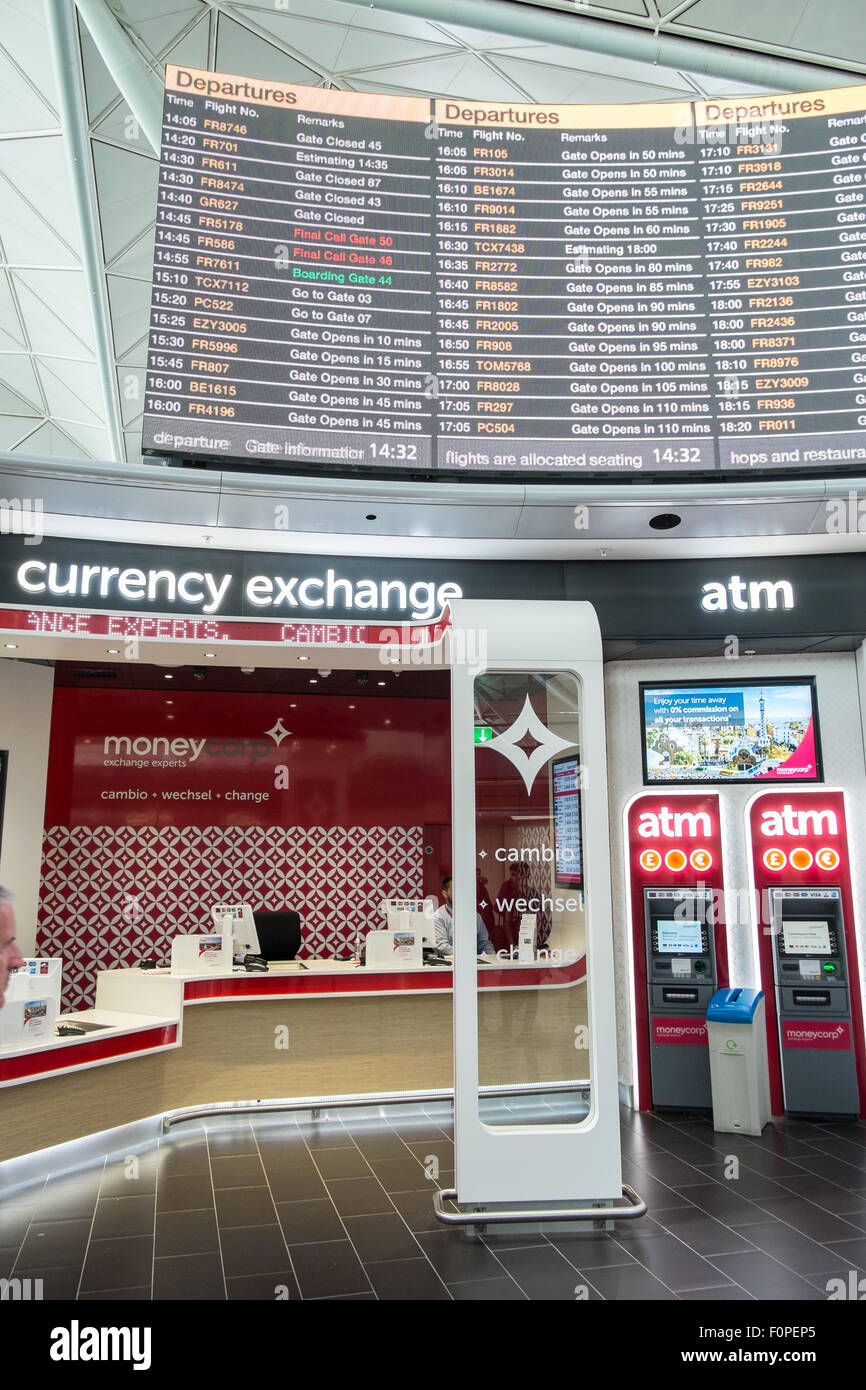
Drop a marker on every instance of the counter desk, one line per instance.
(304, 1030)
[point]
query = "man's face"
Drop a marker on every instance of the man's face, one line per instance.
(10, 956)
(446, 892)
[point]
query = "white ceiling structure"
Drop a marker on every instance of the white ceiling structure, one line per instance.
(81, 89)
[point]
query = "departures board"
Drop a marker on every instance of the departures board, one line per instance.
(345, 280)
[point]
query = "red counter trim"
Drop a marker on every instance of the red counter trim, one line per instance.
(69, 1058)
(383, 982)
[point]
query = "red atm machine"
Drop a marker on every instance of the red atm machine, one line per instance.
(679, 945)
(808, 953)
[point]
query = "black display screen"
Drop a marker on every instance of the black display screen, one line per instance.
(346, 280)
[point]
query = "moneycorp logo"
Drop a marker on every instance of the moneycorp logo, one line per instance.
(813, 1034)
(145, 750)
(680, 1030)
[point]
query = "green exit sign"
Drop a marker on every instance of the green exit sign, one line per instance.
(483, 734)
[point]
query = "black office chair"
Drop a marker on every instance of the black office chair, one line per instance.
(279, 934)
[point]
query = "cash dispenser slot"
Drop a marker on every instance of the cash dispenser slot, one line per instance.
(812, 998)
(680, 996)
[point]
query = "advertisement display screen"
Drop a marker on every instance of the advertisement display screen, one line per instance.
(566, 822)
(679, 936)
(731, 731)
(346, 280)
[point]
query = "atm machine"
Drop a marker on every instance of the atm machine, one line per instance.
(813, 1003)
(681, 981)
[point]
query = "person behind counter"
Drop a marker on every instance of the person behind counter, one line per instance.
(443, 926)
(10, 956)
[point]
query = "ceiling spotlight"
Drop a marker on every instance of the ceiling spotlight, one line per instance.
(303, 658)
(248, 670)
(665, 521)
(381, 682)
(324, 673)
(113, 651)
(11, 646)
(211, 656)
(168, 677)
(313, 680)
(371, 516)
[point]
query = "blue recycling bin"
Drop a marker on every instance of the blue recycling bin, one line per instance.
(739, 1077)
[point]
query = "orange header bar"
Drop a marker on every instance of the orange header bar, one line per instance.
(787, 106)
(517, 115)
(229, 87)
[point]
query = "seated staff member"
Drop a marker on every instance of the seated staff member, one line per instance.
(443, 926)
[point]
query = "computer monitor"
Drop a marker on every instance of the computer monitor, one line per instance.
(242, 925)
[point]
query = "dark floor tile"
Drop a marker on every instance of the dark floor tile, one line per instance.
(244, 1206)
(305, 1223)
(764, 1277)
(68, 1198)
(378, 1238)
(487, 1291)
(785, 1145)
(327, 1269)
(543, 1273)
(587, 1251)
(629, 1282)
(702, 1232)
(118, 1264)
(656, 1194)
(325, 1136)
(637, 1228)
(253, 1250)
(184, 1193)
(725, 1293)
(382, 1143)
(672, 1262)
(186, 1233)
(359, 1196)
(416, 1209)
(232, 1142)
(128, 1179)
(49, 1243)
(721, 1201)
(851, 1253)
(761, 1160)
(8, 1254)
(295, 1184)
(184, 1158)
(407, 1280)
(140, 1295)
(795, 1251)
(418, 1131)
(855, 1154)
(14, 1221)
(835, 1170)
(286, 1155)
(59, 1284)
(402, 1175)
(123, 1216)
(667, 1169)
(191, 1278)
(812, 1221)
(851, 1133)
(686, 1147)
(442, 1150)
(281, 1287)
(238, 1170)
(457, 1258)
(749, 1184)
(341, 1163)
(829, 1195)
(368, 1297)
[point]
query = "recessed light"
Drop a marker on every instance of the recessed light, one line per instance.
(11, 646)
(113, 651)
(371, 516)
(381, 682)
(211, 656)
(303, 658)
(351, 707)
(169, 702)
(314, 680)
(665, 521)
(293, 707)
(387, 721)
(168, 677)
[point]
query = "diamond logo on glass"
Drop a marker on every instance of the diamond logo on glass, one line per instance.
(548, 744)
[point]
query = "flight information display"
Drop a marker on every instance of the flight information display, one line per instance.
(348, 280)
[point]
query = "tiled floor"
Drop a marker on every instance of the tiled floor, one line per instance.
(341, 1207)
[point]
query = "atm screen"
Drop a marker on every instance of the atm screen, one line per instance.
(806, 938)
(679, 936)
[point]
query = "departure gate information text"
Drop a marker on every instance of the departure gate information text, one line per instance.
(356, 280)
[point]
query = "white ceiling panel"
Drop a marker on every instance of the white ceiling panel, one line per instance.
(56, 311)
(17, 371)
(126, 185)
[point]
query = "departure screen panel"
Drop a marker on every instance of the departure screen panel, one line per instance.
(806, 938)
(349, 280)
(682, 937)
